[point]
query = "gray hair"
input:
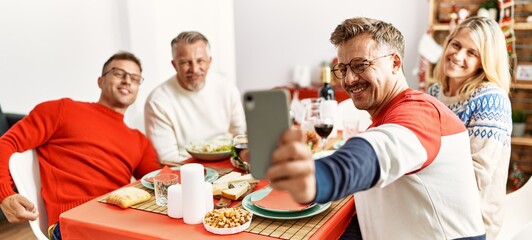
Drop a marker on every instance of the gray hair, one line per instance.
(190, 37)
(383, 33)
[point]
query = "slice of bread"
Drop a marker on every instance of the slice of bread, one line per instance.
(127, 197)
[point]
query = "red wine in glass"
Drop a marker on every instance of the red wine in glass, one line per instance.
(239, 147)
(323, 129)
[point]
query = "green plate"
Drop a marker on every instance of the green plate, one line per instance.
(210, 176)
(308, 212)
(264, 192)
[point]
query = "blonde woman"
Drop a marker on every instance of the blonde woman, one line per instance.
(473, 80)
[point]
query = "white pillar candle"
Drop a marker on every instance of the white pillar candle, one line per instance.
(209, 202)
(175, 201)
(192, 183)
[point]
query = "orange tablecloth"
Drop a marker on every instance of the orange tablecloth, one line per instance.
(95, 220)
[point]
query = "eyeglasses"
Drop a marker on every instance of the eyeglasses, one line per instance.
(357, 65)
(121, 73)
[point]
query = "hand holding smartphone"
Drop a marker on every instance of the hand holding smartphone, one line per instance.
(267, 117)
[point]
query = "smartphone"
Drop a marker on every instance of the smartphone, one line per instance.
(267, 117)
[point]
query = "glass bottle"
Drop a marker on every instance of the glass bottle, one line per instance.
(326, 91)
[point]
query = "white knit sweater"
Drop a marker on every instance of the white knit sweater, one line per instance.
(175, 116)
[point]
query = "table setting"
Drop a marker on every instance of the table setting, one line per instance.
(215, 188)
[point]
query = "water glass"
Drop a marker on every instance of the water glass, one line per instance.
(161, 184)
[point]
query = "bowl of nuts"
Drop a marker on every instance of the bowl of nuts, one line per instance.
(227, 220)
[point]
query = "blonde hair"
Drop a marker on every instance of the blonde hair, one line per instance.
(491, 43)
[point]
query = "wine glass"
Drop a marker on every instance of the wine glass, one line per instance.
(323, 127)
(324, 123)
(240, 142)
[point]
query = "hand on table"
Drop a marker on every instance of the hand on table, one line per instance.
(292, 167)
(18, 209)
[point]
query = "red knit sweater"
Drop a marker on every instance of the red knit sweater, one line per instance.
(85, 150)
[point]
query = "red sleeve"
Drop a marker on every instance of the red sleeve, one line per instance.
(149, 161)
(30, 132)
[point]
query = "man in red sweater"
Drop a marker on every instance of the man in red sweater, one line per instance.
(84, 149)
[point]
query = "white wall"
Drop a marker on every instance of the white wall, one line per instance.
(50, 49)
(155, 23)
(273, 36)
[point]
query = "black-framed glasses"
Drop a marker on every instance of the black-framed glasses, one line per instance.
(121, 73)
(357, 65)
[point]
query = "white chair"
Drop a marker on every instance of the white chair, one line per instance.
(346, 110)
(517, 213)
(24, 169)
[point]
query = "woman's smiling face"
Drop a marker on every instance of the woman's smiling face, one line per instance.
(461, 58)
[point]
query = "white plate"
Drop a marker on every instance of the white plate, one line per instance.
(226, 231)
(210, 176)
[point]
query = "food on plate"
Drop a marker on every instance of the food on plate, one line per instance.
(222, 183)
(239, 189)
(228, 177)
(231, 181)
(214, 146)
(129, 196)
(227, 217)
(312, 140)
(247, 177)
(217, 188)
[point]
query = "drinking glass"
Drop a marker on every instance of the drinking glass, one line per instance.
(161, 184)
(324, 127)
(240, 142)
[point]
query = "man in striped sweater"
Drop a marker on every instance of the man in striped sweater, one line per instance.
(411, 172)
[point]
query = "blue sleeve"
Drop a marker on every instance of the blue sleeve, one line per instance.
(352, 168)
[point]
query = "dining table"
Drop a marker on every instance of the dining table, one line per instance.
(96, 219)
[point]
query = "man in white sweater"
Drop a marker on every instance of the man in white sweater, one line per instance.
(192, 105)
